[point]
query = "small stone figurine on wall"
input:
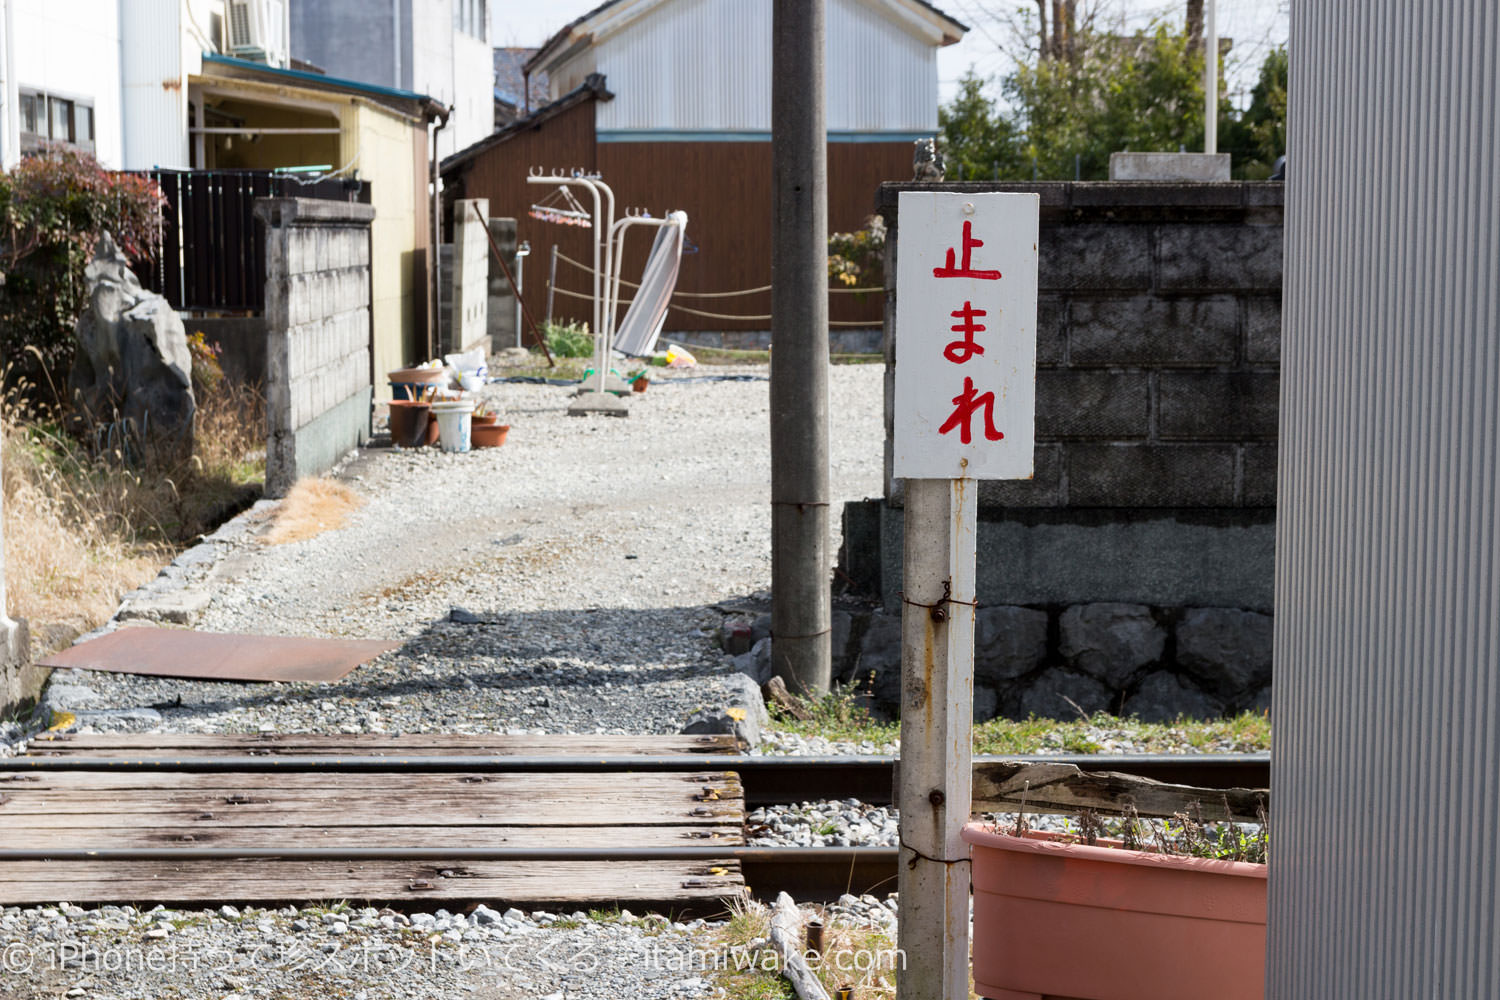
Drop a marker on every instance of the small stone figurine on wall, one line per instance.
(926, 161)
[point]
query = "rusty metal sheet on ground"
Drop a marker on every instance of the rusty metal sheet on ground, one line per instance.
(170, 652)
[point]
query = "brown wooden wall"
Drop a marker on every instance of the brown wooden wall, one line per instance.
(725, 188)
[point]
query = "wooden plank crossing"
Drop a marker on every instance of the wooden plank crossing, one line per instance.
(172, 812)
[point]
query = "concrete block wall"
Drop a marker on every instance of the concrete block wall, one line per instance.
(468, 273)
(18, 682)
(319, 384)
(1157, 391)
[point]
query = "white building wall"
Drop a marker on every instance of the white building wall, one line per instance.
(162, 44)
(71, 48)
(705, 66)
(454, 68)
(474, 104)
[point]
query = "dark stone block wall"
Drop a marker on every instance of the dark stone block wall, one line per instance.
(1158, 352)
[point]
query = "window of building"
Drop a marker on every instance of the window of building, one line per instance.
(470, 17)
(53, 118)
(33, 115)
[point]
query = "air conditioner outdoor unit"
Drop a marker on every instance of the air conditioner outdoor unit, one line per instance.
(257, 30)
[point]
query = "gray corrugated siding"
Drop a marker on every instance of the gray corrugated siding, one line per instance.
(1386, 862)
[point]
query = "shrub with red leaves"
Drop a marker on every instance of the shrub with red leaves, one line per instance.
(53, 208)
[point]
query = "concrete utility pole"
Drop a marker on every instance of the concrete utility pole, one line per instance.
(800, 611)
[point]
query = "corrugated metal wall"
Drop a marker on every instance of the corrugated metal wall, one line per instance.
(1385, 880)
(705, 65)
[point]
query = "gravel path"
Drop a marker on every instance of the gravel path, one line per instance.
(561, 583)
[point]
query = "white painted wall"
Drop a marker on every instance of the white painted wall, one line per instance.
(705, 65)
(162, 44)
(453, 68)
(71, 48)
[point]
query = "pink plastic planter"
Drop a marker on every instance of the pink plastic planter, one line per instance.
(1063, 921)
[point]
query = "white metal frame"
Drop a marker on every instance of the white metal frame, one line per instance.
(608, 246)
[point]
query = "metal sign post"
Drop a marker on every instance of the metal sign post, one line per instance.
(966, 280)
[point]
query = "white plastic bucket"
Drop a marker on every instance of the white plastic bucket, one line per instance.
(455, 419)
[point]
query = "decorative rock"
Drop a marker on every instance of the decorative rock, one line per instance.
(1163, 697)
(62, 697)
(756, 664)
(1111, 641)
(463, 616)
(1225, 649)
(734, 637)
(880, 659)
(1008, 642)
(1262, 702)
(841, 623)
(180, 607)
(760, 628)
(133, 367)
(743, 714)
(484, 916)
(1049, 695)
(986, 703)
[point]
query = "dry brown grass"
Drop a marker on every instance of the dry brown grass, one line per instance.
(311, 507)
(66, 562)
(81, 530)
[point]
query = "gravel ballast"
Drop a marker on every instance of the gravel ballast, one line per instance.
(562, 583)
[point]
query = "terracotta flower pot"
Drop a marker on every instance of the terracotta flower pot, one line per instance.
(485, 418)
(490, 435)
(1065, 920)
(412, 425)
(427, 375)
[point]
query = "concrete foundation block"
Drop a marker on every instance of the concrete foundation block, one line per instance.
(1146, 330)
(1093, 404)
(1094, 256)
(1258, 475)
(1150, 475)
(1263, 329)
(1224, 406)
(1201, 258)
(1051, 331)
(1043, 489)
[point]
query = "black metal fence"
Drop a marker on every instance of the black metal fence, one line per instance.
(212, 255)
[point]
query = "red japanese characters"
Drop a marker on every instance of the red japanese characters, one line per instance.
(966, 403)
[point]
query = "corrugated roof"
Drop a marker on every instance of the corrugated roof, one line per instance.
(320, 79)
